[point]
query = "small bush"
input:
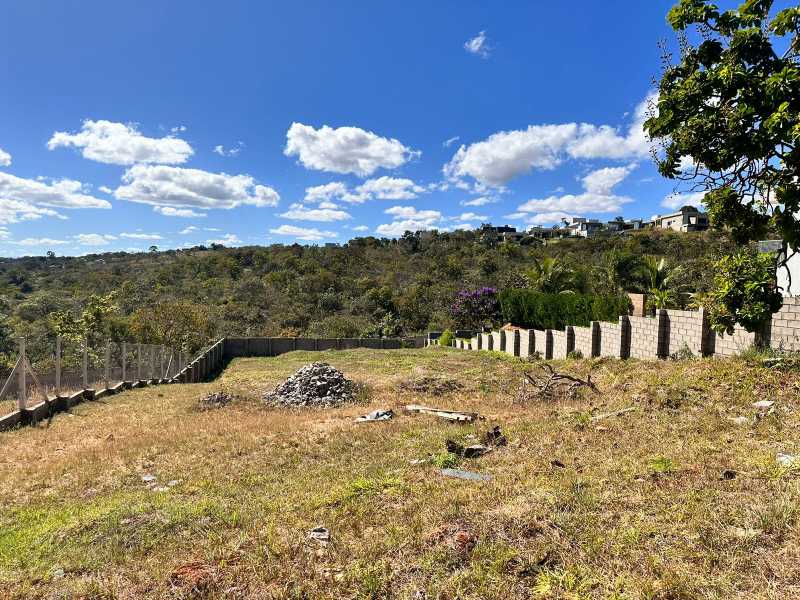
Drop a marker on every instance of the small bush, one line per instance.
(575, 354)
(446, 339)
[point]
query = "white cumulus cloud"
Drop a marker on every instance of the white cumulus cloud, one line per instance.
(598, 195)
(169, 211)
(299, 212)
(94, 239)
(482, 201)
(180, 187)
(508, 154)
(408, 218)
(303, 233)
(345, 149)
(41, 242)
(141, 236)
(25, 199)
(226, 240)
(5, 158)
(478, 45)
(121, 144)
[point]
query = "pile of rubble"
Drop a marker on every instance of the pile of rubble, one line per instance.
(315, 385)
(214, 400)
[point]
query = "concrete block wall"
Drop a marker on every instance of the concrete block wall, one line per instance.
(487, 341)
(563, 342)
(632, 336)
(544, 342)
(527, 342)
(685, 328)
(732, 345)
(615, 338)
(498, 341)
(587, 340)
(513, 343)
(646, 335)
(785, 330)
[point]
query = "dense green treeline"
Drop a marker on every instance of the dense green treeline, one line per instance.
(367, 287)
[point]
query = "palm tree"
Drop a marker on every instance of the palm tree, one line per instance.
(550, 276)
(657, 273)
(659, 277)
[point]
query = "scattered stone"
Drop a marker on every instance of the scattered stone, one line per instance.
(495, 437)
(320, 535)
(763, 404)
(741, 421)
(148, 478)
(476, 450)
(314, 385)
(214, 400)
(557, 464)
(376, 415)
(789, 461)
(58, 573)
(434, 386)
(469, 475)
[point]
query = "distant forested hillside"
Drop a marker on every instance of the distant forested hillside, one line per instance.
(367, 287)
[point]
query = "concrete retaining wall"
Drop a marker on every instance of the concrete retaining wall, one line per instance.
(685, 328)
(527, 342)
(587, 340)
(544, 342)
(785, 330)
(615, 338)
(563, 342)
(499, 341)
(513, 343)
(487, 341)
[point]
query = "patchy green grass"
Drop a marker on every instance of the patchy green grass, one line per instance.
(633, 506)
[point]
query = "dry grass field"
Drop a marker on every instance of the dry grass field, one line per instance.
(671, 501)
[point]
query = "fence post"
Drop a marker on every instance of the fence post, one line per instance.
(86, 363)
(138, 362)
(161, 351)
(152, 362)
(124, 361)
(180, 361)
(108, 364)
(22, 394)
(58, 366)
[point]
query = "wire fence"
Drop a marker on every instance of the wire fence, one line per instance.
(56, 367)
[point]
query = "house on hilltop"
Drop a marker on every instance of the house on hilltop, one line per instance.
(687, 219)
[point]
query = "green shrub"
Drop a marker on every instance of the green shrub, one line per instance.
(537, 310)
(446, 339)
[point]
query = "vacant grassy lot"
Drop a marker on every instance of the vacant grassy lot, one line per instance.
(673, 500)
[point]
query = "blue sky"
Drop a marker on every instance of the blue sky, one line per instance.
(177, 123)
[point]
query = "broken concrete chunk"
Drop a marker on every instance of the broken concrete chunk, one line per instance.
(320, 534)
(763, 404)
(471, 476)
(376, 415)
(742, 421)
(495, 437)
(476, 450)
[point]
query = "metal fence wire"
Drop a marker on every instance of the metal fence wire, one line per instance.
(56, 367)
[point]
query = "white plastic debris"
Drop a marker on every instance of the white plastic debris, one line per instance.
(789, 461)
(376, 415)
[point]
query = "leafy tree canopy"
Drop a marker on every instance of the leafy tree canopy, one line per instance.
(729, 117)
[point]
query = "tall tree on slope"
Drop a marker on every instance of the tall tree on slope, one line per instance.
(729, 121)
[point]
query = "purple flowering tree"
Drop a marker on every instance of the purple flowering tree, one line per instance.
(474, 309)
